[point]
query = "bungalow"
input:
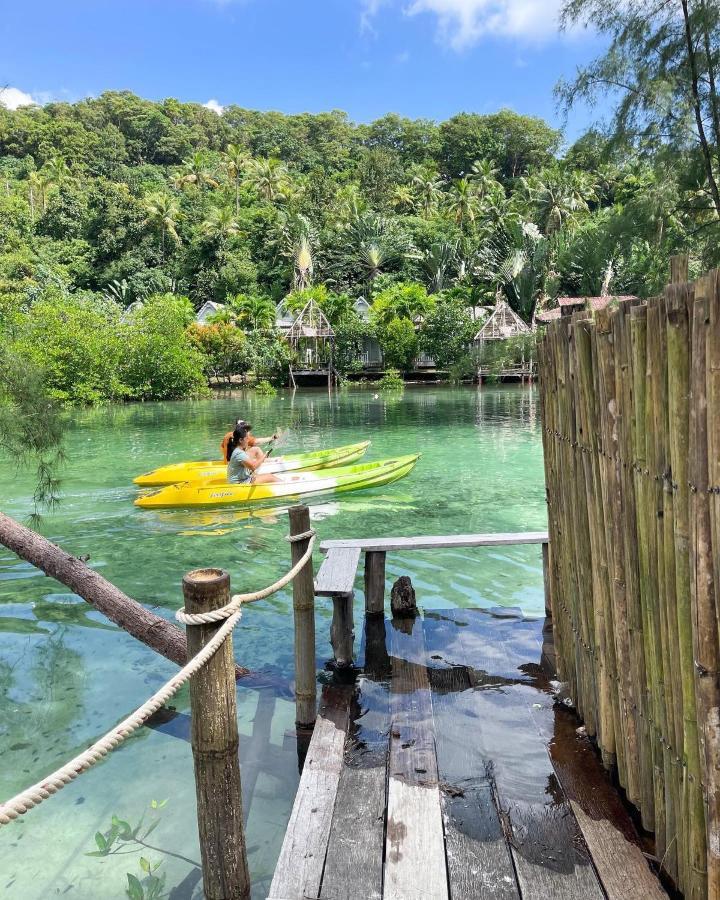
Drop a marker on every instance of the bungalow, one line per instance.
(208, 309)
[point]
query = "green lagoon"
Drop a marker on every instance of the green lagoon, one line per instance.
(66, 674)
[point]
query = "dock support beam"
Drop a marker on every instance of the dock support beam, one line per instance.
(215, 745)
(375, 582)
(304, 615)
(341, 630)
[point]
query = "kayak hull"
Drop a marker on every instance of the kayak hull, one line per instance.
(216, 469)
(289, 487)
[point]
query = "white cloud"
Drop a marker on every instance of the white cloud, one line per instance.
(463, 22)
(215, 106)
(12, 97)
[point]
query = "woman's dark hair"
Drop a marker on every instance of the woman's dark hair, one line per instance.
(238, 435)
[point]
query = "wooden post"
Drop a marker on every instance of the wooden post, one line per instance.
(374, 582)
(679, 268)
(304, 614)
(214, 739)
(546, 579)
(341, 630)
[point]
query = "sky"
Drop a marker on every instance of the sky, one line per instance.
(419, 58)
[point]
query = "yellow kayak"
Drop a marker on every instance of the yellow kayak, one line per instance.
(215, 469)
(289, 485)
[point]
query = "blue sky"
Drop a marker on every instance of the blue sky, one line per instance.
(427, 58)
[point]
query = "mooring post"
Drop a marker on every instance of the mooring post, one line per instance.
(215, 745)
(374, 582)
(304, 614)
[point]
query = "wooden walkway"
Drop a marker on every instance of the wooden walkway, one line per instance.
(446, 772)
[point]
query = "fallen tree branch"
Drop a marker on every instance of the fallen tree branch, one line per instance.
(152, 630)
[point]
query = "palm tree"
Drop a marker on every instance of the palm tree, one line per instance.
(558, 198)
(236, 159)
(269, 177)
(403, 198)
(371, 260)
(462, 202)
(196, 172)
(436, 264)
(255, 312)
(37, 189)
(220, 224)
(56, 171)
(162, 215)
(427, 190)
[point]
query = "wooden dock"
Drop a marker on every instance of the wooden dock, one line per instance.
(448, 771)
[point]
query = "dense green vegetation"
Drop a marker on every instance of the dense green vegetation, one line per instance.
(120, 217)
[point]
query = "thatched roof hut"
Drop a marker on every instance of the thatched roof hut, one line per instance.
(502, 323)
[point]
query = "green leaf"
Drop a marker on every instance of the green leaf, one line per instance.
(151, 828)
(134, 889)
(144, 865)
(157, 804)
(101, 842)
(97, 853)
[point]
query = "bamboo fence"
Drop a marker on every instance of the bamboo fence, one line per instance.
(631, 413)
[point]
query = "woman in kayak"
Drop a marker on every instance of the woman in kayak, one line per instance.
(252, 441)
(243, 460)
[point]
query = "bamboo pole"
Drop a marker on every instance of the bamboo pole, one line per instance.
(215, 744)
(702, 586)
(654, 512)
(678, 337)
(304, 619)
(596, 521)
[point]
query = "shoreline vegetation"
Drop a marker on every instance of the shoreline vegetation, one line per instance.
(120, 218)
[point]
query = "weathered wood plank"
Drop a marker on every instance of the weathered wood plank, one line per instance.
(478, 857)
(438, 542)
(299, 869)
(354, 862)
(604, 822)
(337, 572)
(414, 849)
(548, 851)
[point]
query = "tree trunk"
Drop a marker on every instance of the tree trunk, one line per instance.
(154, 631)
(714, 106)
(698, 109)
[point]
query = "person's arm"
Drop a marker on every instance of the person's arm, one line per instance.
(251, 463)
(266, 440)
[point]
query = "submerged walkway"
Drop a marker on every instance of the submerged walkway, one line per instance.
(447, 772)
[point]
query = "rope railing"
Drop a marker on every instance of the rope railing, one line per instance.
(231, 614)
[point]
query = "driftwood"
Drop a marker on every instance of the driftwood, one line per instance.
(157, 633)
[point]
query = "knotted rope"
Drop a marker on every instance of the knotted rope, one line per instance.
(231, 613)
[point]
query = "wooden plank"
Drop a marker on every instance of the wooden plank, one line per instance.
(478, 857)
(414, 849)
(603, 819)
(548, 851)
(299, 869)
(438, 542)
(337, 572)
(354, 862)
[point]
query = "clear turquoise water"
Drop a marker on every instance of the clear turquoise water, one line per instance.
(66, 675)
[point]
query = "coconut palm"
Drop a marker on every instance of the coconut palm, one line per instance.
(196, 172)
(236, 159)
(428, 192)
(462, 202)
(403, 199)
(253, 312)
(220, 224)
(162, 214)
(269, 177)
(558, 198)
